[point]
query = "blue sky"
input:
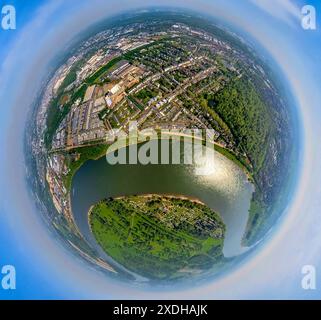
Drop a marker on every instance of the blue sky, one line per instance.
(44, 268)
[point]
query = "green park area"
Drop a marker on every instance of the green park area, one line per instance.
(160, 237)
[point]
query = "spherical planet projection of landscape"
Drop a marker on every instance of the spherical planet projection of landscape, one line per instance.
(161, 223)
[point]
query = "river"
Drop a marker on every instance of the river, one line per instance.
(225, 189)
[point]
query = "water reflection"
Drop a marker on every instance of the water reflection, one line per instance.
(224, 188)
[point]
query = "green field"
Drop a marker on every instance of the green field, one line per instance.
(159, 237)
(103, 70)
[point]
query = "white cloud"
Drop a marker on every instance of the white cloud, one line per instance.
(284, 10)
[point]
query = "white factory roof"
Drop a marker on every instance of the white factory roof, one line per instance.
(115, 89)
